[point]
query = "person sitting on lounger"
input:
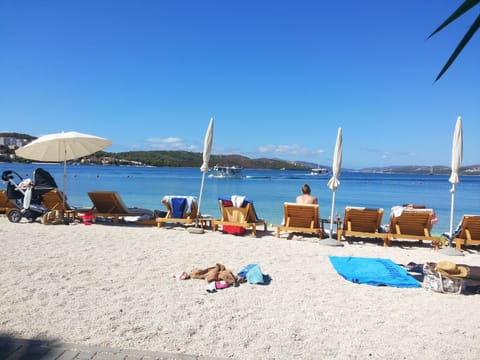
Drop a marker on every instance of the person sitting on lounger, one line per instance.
(306, 197)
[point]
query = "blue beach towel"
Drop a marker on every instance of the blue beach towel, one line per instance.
(178, 207)
(254, 275)
(373, 271)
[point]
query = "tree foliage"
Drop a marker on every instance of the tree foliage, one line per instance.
(191, 159)
(465, 7)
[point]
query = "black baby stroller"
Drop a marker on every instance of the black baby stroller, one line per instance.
(28, 194)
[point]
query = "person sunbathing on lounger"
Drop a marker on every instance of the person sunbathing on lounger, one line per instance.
(306, 197)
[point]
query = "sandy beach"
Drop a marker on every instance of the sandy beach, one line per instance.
(106, 285)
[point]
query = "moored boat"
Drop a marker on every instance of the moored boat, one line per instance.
(319, 171)
(226, 172)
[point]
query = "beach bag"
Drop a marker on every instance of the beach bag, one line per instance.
(53, 217)
(87, 217)
(233, 230)
(444, 277)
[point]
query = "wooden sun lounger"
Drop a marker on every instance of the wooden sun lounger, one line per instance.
(301, 218)
(412, 224)
(239, 216)
(362, 222)
(109, 204)
(185, 219)
(54, 200)
(5, 203)
(469, 233)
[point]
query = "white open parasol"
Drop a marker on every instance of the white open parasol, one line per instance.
(61, 147)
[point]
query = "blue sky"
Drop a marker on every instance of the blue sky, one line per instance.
(279, 77)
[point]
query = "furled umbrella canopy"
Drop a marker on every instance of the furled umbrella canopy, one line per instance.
(457, 155)
(333, 184)
(207, 149)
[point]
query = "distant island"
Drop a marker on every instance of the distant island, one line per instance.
(9, 142)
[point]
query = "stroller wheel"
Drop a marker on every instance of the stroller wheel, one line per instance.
(14, 215)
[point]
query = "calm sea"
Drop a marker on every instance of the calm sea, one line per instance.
(269, 189)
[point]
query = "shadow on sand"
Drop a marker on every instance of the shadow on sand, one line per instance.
(26, 349)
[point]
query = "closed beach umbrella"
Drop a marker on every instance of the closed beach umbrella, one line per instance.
(207, 147)
(333, 184)
(207, 150)
(457, 155)
(61, 147)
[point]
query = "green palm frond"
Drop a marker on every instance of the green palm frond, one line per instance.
(465, 7)
(460, 46)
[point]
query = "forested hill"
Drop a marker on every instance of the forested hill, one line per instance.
(191, 159)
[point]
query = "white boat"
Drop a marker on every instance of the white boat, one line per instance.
(226, 172)
(319, 171)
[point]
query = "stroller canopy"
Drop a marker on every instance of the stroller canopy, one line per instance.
(43, 180)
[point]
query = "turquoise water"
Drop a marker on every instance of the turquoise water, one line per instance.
(269, 189)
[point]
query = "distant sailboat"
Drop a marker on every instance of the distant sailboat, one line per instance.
(431, 170)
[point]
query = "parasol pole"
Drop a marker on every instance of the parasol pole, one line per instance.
(331, 241)
(331, 213)
(200, 198)
(449, 249)
(65, 221)
(450, 238)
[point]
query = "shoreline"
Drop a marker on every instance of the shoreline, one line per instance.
(112, 286)
(145, 187)
(442, 170)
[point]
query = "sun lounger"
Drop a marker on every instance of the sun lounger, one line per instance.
(180, 209)
(109, 204)
(411, 224)
(362, 222)
(242, 215)
(469, 233)
(301, 218)
(5, 203)
(54, 200)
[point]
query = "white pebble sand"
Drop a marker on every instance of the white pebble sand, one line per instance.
(107, 285)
